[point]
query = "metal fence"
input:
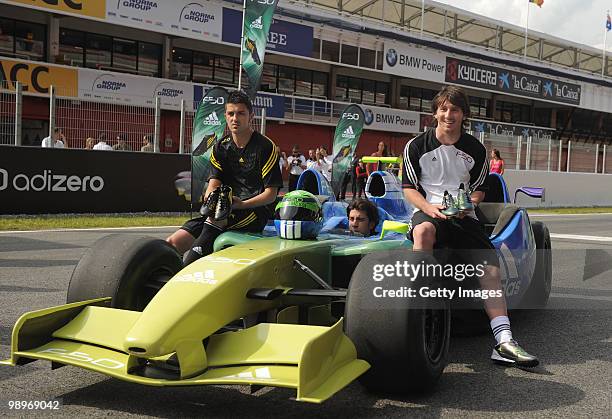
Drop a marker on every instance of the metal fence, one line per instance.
(8, 113)
(82, 119)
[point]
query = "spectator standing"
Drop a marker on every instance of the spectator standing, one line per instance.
(102, 143)
(90, 143)
(497, 163)
(312, 159)
(381, 151)
(282, 163)
(361, 175)
(55, 140)
(121, 144)
(326, 164)
(350, 177)
(146, 144)
(297, 164)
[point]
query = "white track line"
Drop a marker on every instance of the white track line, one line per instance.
(581, 237)
(63, 230)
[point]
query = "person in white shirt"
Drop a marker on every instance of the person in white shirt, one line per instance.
(326, 163)
(58, 140)
(102, 143)
(297, 165)
(312, 160)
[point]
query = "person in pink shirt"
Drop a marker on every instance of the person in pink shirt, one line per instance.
(496, 165)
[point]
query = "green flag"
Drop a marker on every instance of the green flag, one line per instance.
(208, 126)
(346, 138)
(256, 21)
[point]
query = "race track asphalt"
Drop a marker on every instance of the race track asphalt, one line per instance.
(573, 338)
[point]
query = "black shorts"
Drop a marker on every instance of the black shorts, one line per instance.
(252, 220)
(462, 234)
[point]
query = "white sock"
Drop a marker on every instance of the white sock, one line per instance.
(500, 326)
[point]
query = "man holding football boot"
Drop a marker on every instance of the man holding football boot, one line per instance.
(244, 179)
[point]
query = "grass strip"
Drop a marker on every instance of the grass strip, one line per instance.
(51, 222)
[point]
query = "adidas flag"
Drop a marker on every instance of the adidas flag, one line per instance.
(346, 138)
(256, 21)
(208, 127)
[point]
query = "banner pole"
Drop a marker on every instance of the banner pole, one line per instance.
(241, 44)
(603, 52)
(526, 32)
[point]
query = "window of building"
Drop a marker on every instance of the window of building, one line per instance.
(71, 48)
(149, 59)
(542, 117)
(91, 50)
(286, 80)
(512, 112)
(225, 69)
(269, 78)
(367, 57)
(331, 51)
(478, 107)
(353, 89)
(319, 84)
(316, 48)
(23, 39)
(203, 67)
(181, 64)
(98, 51)
(125, 55)
(349, 54)
(416, 98)
(303, 82)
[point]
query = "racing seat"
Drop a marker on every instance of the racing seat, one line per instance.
(495, 216)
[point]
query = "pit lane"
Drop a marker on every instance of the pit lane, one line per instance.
(573, 338)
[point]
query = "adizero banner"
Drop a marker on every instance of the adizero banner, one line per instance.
(346, 138)
(258, 15)
(208, 126)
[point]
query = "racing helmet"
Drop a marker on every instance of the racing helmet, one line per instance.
(298, 215)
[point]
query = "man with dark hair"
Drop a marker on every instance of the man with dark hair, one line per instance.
(55, 140)
(362, 217)
(440, 161)
(244, 178)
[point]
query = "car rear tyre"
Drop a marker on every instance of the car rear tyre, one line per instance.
(405, 339)
(130, 269)
(541, 282)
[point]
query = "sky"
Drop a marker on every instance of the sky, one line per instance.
(581, 21)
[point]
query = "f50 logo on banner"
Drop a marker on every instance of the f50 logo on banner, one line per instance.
(214, 100)
(49, 182)
(36, 78)
(350, 116)
(93, 8)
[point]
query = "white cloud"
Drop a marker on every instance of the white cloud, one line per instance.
(581, 21)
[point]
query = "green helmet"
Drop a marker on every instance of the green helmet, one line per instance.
(298, 216)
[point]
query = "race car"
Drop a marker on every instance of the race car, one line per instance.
(268, 311)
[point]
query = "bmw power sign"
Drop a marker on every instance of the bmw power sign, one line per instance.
(416, 63)
(368, 116)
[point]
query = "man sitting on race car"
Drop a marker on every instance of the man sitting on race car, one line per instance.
(244, 178)
(438, 162)
(362, 217)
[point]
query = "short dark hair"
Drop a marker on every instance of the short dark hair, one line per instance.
(454, 95)
(239, 96)
(367, 206)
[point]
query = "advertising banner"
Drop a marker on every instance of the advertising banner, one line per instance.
(274, 104)
(91, 8)
(416, 63)
(133, 90)
(346, 138)
(258, 15)
(86, 181)
(208, 127)
(288, 37)
(199, 20)
(393, 120)
(501, 129)
(36, 77)
(500, 80)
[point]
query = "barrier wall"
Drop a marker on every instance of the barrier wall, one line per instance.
(562, 189)
(45, 181)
